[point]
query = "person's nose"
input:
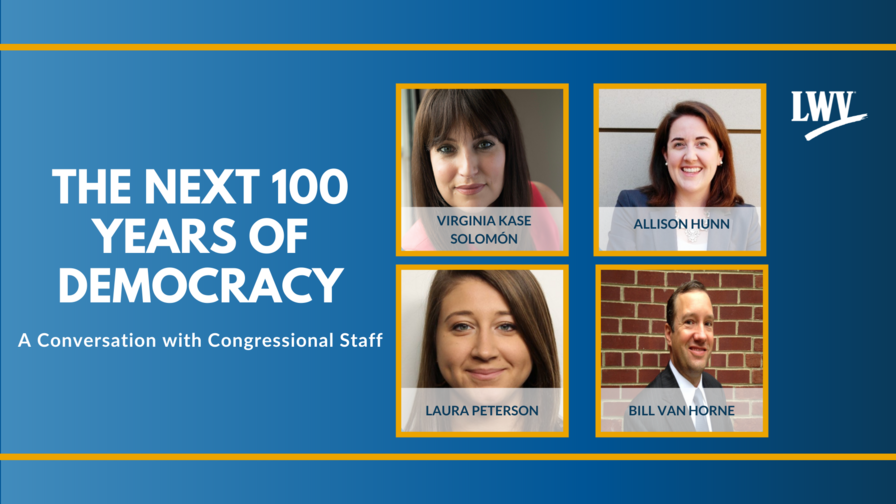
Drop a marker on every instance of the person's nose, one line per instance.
(468, 164)
(485, 348)
(700, 335)
(690, 154)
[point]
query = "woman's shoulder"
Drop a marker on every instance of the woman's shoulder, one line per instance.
(632, 198)
(415, 238)
(542, 195)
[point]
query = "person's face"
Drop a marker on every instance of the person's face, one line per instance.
(692, 155)
(691, 339)
(468, 168)
(477, 341)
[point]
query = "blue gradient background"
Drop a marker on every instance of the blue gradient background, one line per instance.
(391, 21)
(830, 355)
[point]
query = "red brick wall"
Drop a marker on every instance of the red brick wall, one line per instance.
(633, 315)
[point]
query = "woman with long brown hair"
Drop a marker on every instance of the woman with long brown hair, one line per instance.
(691, 173)
(468, 152)
(488, 332)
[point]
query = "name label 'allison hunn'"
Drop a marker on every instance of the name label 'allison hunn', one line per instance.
(682, 224)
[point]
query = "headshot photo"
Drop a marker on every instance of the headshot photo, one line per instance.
(482, 169)
(482, 350)
(682, 350)
(680, 170)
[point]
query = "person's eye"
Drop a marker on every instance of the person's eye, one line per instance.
(507, 327)
(689, 322)
(708, 323)
(703, 144)
(678, 145)
(485, 145)
(461, 327)
(445, 149)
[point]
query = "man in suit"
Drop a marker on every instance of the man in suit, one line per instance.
(673, 400)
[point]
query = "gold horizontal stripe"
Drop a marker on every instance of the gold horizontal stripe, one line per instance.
(447, 47)
(447, 456)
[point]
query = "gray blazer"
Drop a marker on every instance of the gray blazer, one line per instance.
(744, 232)
(674, 423)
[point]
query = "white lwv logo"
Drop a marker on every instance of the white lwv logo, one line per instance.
(822, 106)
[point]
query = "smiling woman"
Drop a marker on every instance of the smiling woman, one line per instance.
(468, 152)
(687, 168)
(454, 132)
(488, 342)
(478, 343)
(468, 168)
(692, 187)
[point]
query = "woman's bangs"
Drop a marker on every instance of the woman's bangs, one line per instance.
(458, 109)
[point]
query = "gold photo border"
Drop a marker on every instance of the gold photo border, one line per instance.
(564, 252)
(681, 267)
(565, 357)
(680, 253)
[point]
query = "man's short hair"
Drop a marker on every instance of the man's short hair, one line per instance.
(692, 285)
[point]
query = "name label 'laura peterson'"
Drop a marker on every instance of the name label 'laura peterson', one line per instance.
(682, 224)
(482, 410)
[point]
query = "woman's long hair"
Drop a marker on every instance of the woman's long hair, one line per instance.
(486, 111)
(531, 315)
(722, 189)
